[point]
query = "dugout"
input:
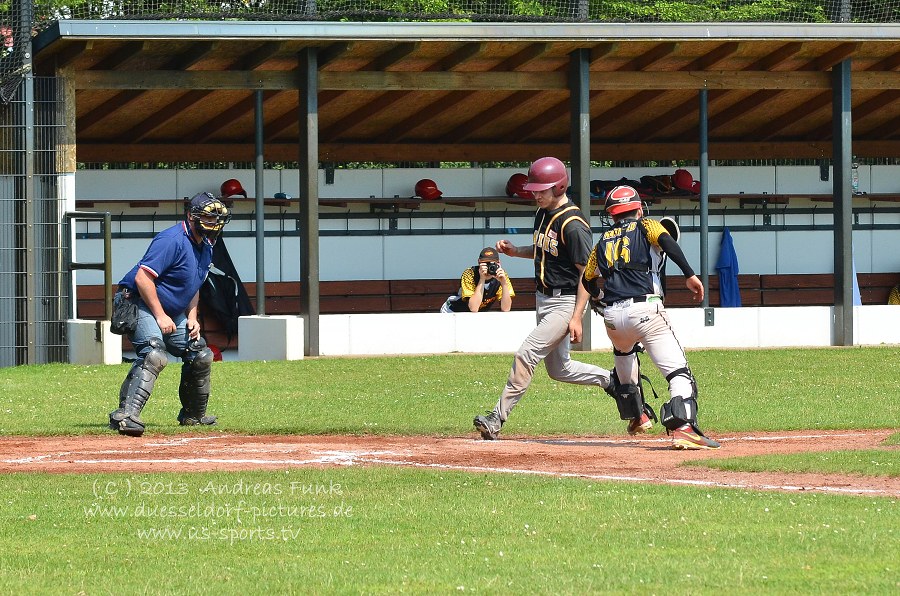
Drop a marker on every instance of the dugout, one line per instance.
(316, 91)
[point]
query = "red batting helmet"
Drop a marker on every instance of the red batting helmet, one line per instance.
(547, 172)
(232, 187)
(515, 186)
(683, 180)
(428, 190)
(622, 199)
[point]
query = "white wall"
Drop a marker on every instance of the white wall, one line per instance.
(439, 256)
(752, 327)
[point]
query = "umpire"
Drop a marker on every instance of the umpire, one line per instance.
(560, 248)
(165, 286)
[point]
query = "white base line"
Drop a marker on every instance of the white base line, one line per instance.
(351, 458)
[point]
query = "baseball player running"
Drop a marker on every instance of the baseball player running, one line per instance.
(560, 248)
(629, 257)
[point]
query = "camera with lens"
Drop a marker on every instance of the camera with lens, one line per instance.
(492, 268)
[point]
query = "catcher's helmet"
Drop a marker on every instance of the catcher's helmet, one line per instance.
(621, 199)
(201, 211)
(427, 189)
(547, 172)
(515, 186)
(671, 227)
(232, 187)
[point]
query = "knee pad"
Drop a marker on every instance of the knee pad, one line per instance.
(684, 376)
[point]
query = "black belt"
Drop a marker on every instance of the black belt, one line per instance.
(557, 291)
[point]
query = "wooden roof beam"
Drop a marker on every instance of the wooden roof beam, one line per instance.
(686, 108)
(249, 61)
(820, 101)
(561, 109)
(71, 53)
(119, 100)
(385, 101)
(325, 56)
(439, 106)
(859, 113)
(759, 99)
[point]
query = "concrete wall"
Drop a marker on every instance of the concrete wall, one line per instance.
(449, 246)
(496, 332)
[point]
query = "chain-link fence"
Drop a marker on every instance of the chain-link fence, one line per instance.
(647, 11)
(34, 282)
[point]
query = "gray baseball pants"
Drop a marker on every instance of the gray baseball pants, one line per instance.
(628, 323)
(549, 341)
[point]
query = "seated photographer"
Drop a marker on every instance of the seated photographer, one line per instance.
(481, 286)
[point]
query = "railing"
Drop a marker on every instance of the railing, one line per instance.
(105, 265)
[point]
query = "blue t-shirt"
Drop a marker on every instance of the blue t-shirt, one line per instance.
(178, 265)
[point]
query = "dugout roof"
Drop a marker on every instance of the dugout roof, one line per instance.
(184, 90)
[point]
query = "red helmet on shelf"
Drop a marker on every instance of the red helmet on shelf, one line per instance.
(515, 186)
(545, 173)
(683, 180)
(232, 187)
(427, 189)
(621, 199)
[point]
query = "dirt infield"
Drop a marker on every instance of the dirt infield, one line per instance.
(613, 458)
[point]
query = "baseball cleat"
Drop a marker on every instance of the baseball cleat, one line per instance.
(186, 419)
(688, 437)
(489, 426)
(639, 425)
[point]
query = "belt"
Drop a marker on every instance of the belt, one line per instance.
(636, 299)
(557, 291)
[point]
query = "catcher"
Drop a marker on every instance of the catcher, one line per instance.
(630, 257)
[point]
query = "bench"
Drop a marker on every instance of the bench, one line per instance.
(427, 295)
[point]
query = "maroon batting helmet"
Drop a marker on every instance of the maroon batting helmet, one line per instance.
(515, 186)
(545, 173)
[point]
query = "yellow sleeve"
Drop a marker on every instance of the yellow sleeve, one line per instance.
(512, 292)
(467, 283)
(590, 270)
(654, 229)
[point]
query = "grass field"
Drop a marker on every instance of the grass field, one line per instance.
(374, 530)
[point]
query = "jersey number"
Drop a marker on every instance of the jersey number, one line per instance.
(617, 251)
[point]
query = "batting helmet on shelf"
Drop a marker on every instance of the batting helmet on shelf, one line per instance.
(232, 187)
(428, 190)
(683, 180)
(515, 186)
(622, 199)
(547, 173)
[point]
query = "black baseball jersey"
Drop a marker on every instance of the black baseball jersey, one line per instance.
(493, 291)
(628, 256)
(562, 239)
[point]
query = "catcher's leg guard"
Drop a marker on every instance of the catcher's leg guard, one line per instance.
(194, 388)
(629, 401)
(680, 410)
(136, 390)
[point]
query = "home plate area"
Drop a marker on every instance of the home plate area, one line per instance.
(647, 459)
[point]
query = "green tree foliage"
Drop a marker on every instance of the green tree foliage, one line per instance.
(687, 11)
